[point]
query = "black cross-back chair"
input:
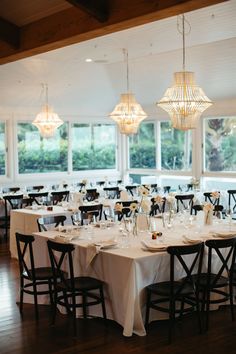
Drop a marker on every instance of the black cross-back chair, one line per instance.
(184, 200)
(11, 202)
(30, 276)
(90, 211)
(166, 189)
(198, 207)
(220, 282)
(39, 198)
(209, 198)
(232, 200)
(11, 189)
(100, 183)
(50, 221)
(68, 289)
(112, 192)
(157, 208)
(37, 188)
(131, 189)
(154, 188)
(81, 185)
(164, 296)
(126, 212)
(60, 196)
(91, 194)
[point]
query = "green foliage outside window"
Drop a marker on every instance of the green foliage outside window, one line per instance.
(220, 144)
(93, 146)
(176, 148)
(37, 154)
(142, 147)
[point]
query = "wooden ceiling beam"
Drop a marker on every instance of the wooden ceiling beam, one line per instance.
(97, 9)
(73, 25)
(9, 33)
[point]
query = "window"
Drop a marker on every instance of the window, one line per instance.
(37, 154)
(142, 147)
(220, 144)
(2, 148)
(93, 146)
(176, 148)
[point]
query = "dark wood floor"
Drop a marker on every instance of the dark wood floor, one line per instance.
(25, 335)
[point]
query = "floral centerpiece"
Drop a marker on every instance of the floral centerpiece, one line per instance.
(195, 182)
(208, 213)
(215, 195)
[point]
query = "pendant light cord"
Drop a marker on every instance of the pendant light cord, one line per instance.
(126, 59)
(183, 32)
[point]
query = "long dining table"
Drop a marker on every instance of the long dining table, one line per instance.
(126, 263)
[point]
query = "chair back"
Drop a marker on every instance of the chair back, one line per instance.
(190, 268)
(232, 199)
(61, 258)
(125, 209)
(184, 201)
(112, 192)
(14, 201)
(131, 189)
(166, 189)
(37, 188)
(60, 196)
(81, 185)
(154, 188)
(226, 251)
(157, 208)
(39, 198)
(53, 221)
(209, 198)
(25, 254)
(100, 183)
(90, 211)
(91, 194)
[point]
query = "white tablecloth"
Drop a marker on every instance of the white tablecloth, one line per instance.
(25, 221)
(125, 271)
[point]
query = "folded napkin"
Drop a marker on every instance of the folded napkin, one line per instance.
(154, 246)
(106, 244)
(62, 239)
(191, 239)
(225, 234)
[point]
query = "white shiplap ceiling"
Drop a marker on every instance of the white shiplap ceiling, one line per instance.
(92, 89)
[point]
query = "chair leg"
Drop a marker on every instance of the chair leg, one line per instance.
(84, 299)
(54, 307)
(50, 291)
(207, 308)
(198, 313)
(21, 295)
(231, 300)
(147, 308)
(74, 314)
(171, 320)
(103, 304)
(35, 301)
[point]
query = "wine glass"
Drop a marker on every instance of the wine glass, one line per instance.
(76, 219)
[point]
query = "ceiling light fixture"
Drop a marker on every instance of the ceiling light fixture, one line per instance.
(47, 121)
(128, 113)
(88, 60)
(184, 101)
